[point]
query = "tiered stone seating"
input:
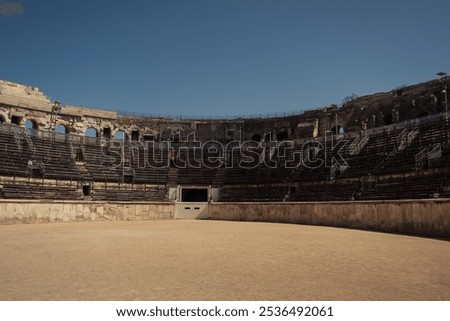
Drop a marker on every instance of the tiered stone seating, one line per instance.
(40, 191)
(387, 160)
(56, 157)
(410, 187)
(146, 171)
(264, 193)
(384, 168)
(379, 147)
(325, 191)
(103, 164)
(117, 193)
(13, 158)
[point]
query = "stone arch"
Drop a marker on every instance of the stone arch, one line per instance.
(91, 132)
(336, 130)
(31, 124)
(121, 134)
(388, 118)
(135, 133)
(62, 129)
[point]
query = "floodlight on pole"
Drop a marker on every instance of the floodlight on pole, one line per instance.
(444, 76)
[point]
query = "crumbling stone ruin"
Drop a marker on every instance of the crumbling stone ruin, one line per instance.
(27, 106)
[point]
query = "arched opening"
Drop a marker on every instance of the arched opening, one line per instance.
(91, 132)
(2, 119)
(120, 135)
(107, 133)
(387, 118)
(440, 103)
(282, 136)
(257, 138)
(86, 189)
(31, 124)
(341, 131)
(61, 130)
(17, 120)
(135, 135)
(336, 129)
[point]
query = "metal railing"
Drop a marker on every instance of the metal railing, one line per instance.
(435, 153)
(215, 117)
(409, 125)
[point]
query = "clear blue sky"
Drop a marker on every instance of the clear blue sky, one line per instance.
(222, 57)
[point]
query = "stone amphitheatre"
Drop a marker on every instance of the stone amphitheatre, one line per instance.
(344, 202)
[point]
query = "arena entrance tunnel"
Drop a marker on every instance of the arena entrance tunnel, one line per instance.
(192, 202)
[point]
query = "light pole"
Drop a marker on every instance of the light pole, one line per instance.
(444, 76)
(56, 108)
(336, 130)
(336, 122)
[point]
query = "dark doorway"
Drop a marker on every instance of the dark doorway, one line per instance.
(16, 120)
(79, 156)
(194, 195)
(135, 135)
(87, 190)
(107, 132)
(387, 119)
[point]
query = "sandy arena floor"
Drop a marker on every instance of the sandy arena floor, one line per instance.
(209, 260)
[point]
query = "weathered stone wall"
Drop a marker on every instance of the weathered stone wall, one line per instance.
(12, 211)
(19, 103)
(420, 217)
(427, 217)
(24, 96)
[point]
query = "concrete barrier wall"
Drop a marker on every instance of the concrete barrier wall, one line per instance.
(421, 217)
(191, 211)
(20, 211)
